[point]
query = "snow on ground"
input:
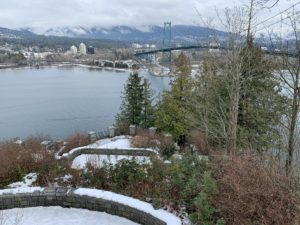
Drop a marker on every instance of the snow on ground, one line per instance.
(97, 161)
(118, 142)
(59, 216)
(28, 180)
(163, 215)
(21, 190)
(110, 143)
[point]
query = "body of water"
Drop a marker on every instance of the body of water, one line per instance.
(58, 101)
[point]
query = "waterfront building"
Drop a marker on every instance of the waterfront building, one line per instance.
(74, 49)
(91, 50)
(82, 49)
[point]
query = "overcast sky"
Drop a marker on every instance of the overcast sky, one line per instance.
(44, 14)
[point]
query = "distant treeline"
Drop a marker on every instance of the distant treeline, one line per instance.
(64, 43)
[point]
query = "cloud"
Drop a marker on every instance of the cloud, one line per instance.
(44, 14)
(54, 13)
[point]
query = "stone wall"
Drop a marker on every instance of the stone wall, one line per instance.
(65, 197)
(127, 152)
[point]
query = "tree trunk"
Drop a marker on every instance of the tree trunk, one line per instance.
(249, 34)
(233, 120)
(292, 129)
(233, 107)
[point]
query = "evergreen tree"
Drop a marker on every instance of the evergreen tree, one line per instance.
(137, 108)
(261, 104)
(132, 103)
(172, 109)
(148, 116)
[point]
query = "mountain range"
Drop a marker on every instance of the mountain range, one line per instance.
(153, 34)
(15, 34)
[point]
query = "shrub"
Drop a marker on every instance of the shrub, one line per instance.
(15, 162)
(199, 139)
(129, 177)
(251, 192)
(76, 140)
(205, 211)
(168, 150)
(141, 141)
(122, 128)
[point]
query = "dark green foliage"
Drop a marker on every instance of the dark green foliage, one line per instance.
(13, 58)
(261, 102)
(136, 108)
(260, 106)
(205, 211)
(131, 109)
(185, 182)
(172, 110)
(148, 112)
(168, 150)
(121, 65)
(128, 174)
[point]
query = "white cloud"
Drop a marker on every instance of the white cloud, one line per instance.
(44, 14)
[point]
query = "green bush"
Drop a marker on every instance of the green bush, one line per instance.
(128, 173)
(168, 150)
(184, 183)
(204, 212)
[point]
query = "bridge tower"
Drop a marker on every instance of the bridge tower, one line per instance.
(167, 41)
(167, 35)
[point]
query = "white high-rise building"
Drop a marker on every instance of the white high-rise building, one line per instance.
(82, 49)
(74, 49)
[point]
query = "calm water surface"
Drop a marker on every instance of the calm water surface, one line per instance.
(60, 101)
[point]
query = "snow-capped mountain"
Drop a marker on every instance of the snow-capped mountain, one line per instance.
(66, 31)
(180, 33)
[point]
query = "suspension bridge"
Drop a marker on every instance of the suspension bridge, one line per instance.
(148, 57)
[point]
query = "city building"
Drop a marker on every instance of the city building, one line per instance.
(137, 46)
(74, 49)
(91, 50)
(82, 49)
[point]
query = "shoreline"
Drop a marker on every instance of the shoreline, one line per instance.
(71, 64)
(62, 64)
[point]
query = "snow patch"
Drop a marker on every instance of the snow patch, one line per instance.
(28, 180)
(97, 161)
(21, 190)
(118, 142)
(60, 216)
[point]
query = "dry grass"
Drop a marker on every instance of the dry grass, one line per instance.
(251, 192)
(16, 161)
(76, 140)
(143, 139)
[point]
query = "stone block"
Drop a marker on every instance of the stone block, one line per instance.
(112, 131)
(132, 130)
(152, 131)
(92, 136)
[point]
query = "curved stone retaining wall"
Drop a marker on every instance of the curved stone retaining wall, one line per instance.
(66, 197)
(102, 151)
